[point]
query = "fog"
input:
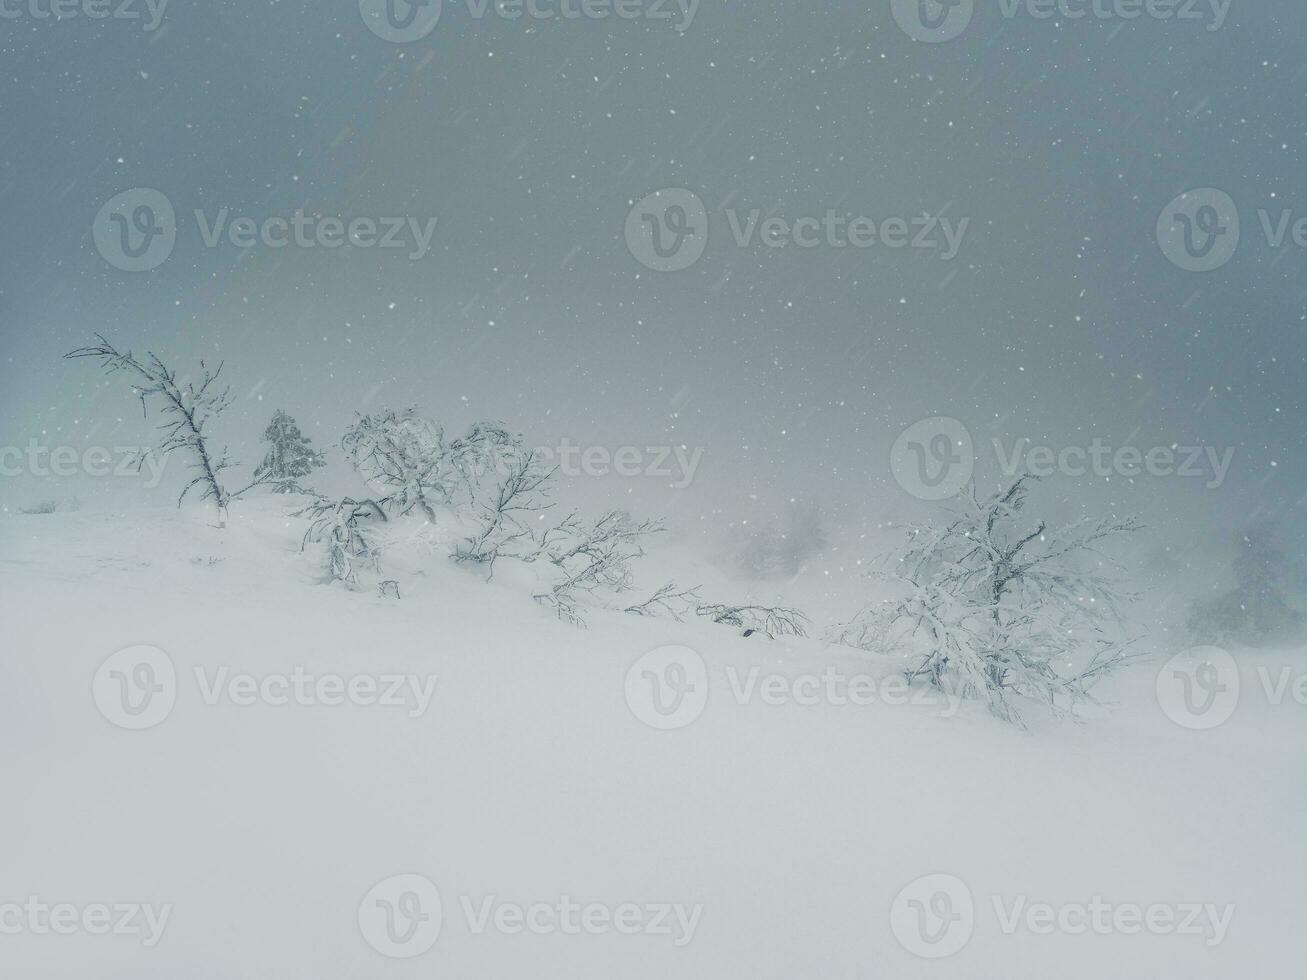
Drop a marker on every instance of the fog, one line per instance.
(1059, 141)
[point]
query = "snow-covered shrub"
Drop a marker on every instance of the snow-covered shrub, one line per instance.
(590, 559)
(993, 606)
(402, 456)
(344, 527)
(290, 455)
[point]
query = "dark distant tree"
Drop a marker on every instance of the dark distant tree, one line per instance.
(782, 549)
(1258, 609)
(290, 456)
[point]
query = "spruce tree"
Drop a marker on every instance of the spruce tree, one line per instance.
(290, 456)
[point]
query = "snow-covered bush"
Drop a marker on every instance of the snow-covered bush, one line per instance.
(590, 559)
(994, 606)
(344, 527)
(402, 456)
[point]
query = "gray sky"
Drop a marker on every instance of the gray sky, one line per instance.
(1060, 319)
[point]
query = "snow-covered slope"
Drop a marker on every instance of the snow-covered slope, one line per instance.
(753, 839)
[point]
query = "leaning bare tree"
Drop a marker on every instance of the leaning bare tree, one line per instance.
(187, 407)
(994, 606)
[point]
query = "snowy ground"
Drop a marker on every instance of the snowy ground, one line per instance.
(755, 840)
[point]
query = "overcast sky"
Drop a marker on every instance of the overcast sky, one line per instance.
(1055, 143)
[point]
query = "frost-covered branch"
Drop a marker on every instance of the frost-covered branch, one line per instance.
(187, 407)
(773, 621)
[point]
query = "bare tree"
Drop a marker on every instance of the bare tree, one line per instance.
(187, 407)
(990, 606)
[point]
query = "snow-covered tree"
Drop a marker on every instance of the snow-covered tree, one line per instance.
(995, 606)
(187, 406)
(402, 455)
(290, 456)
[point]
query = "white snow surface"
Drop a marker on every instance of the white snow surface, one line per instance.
(530, 778)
